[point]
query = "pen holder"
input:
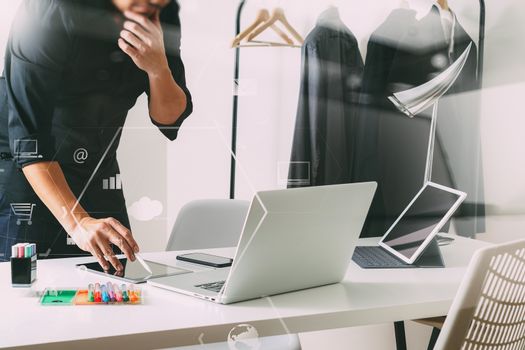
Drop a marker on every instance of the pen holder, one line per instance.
(23, 271)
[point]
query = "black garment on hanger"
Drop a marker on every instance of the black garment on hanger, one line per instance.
(331, 76)
(392, 148)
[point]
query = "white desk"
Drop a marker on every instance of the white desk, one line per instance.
(169, 319)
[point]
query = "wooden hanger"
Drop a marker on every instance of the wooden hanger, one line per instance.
(277, 16)
(263, 16)
(443, 4)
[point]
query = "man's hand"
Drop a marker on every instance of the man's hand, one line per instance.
(142, 40)
(96, 235)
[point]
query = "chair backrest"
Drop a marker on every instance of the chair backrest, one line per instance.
(208, 223)
(489, 309)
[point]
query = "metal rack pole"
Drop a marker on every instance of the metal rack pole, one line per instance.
(481, 42)
(235, 111)
(479, 209)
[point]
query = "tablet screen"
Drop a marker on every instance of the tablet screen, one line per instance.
(134, 271)
(420, 220)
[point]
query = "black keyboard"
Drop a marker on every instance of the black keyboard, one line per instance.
(213, 286)
(376, 257)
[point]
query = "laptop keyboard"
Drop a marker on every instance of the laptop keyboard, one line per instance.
(378, 258)
(213, 286)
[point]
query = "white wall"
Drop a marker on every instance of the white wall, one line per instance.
(505, 28)
(142, 157)
(502, 121)
(7, 12)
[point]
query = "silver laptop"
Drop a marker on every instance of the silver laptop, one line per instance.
(292, 239)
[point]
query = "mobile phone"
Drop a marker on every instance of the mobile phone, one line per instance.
(206, 259)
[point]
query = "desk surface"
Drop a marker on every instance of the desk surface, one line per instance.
(170, 319)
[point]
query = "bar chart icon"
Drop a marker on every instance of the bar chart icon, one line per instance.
(113, 183)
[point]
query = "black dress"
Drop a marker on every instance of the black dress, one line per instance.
(69, 87)
(332, 69)
(391, 148)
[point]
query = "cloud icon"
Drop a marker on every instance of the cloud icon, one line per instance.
(145, 209)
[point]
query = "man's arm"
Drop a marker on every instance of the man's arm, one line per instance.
(92, 235)
(167, 100)
(142, 39)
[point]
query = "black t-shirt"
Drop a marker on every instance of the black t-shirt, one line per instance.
(70, 86)
(66, 72)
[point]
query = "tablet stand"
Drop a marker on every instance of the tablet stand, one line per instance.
(431, 256)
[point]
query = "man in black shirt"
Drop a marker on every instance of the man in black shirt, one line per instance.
(74, 68)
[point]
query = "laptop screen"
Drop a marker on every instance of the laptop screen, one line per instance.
(420, 220)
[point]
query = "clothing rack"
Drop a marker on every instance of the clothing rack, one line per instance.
(235, 110)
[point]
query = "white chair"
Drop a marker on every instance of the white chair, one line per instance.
(217, 223)
(488, 311)
(208, 223)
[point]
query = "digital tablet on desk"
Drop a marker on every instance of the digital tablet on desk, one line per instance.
(133, 271)
(421, 220)
(410, 242)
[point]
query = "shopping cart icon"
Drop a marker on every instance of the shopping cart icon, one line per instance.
(23, 212)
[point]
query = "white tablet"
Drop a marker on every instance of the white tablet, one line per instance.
(133, 271)
(422, 219)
